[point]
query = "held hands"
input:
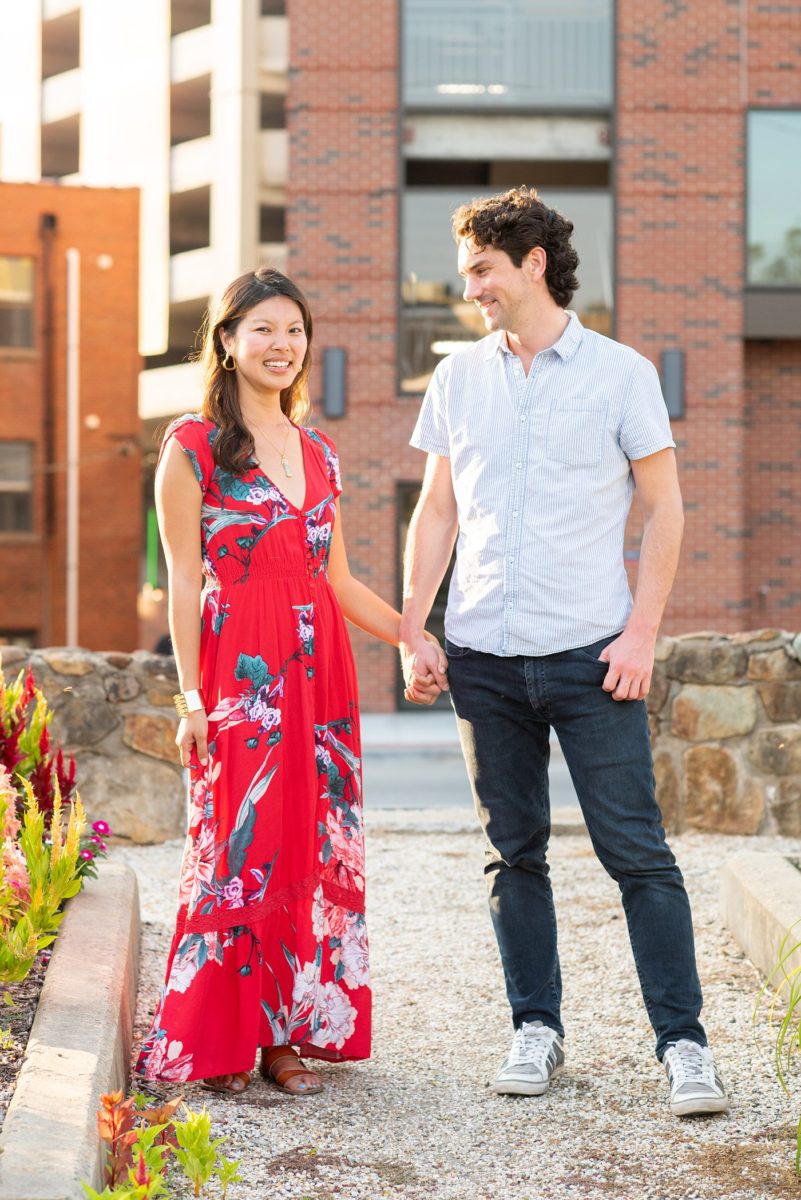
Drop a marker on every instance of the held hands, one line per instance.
(193, 731)
(425, 669)
(631, 663)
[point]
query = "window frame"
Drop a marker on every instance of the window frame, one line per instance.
(27, 489)
(31, 350)
(783, 288)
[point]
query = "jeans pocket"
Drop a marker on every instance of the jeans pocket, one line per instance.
(454, 651)
(592, 652)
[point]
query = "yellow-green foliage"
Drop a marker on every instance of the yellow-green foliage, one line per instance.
(31, 910)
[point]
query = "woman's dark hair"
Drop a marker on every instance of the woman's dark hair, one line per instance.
(233, 446)
(516, 222)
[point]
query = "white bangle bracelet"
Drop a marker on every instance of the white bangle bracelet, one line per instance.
(189, 702)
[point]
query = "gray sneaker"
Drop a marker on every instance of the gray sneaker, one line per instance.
(695, 1086)
(535, 1057)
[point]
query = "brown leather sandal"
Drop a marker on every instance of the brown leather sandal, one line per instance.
(227, 1083)
(282, 1065)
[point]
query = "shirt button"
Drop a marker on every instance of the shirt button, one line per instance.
(514, 514)
(522, 417)
(511, 558)
(518, 466)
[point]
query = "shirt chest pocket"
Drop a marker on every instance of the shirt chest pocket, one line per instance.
(576, 428)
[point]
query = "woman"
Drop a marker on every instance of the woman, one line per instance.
(270, 948)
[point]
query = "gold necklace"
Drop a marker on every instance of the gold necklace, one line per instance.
(282, 453)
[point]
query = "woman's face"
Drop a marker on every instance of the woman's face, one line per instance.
(269, 344)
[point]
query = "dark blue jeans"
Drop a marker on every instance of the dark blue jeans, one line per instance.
(505, 709)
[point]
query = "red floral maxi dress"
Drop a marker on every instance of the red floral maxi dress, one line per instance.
(270, 943)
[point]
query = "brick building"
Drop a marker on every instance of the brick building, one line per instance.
(703, 92)
(70, 478)
(335, 141)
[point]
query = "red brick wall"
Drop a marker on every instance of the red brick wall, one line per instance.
(773, 476)
(32, 572)
(679, 168)
(342, 232)
(687, 74)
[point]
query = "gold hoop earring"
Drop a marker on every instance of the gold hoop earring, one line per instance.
(224, 363)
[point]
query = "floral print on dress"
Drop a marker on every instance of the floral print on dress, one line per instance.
(271, 894)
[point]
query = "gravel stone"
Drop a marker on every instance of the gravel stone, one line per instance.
(418, 1122)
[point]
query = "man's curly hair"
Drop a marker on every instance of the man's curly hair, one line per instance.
(515, 222)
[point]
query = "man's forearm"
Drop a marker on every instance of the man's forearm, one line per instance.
(659, 560)
(428, 551)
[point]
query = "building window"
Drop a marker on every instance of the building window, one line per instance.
(272, 224)
(507, 54)
(774, 198)
(435, 320)
(16, 487)
(16, 302)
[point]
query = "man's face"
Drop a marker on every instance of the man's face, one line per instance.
(492, 281)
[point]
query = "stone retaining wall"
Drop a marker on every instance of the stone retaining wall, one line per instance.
(724, 714)
(115, 713)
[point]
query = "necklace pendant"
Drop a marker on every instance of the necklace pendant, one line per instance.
(286, 466)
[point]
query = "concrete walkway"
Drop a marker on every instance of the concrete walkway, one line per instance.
(413, 760)
(418, 1122)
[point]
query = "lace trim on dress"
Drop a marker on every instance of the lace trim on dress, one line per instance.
(251, 914)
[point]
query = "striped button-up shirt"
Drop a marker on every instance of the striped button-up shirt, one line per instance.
(541, 468)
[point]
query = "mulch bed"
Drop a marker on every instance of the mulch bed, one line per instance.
(18, 1003)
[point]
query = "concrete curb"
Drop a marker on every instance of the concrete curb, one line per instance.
(79, 1046)
(761, 901)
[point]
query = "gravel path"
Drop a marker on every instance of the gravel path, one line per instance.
(418, 1121)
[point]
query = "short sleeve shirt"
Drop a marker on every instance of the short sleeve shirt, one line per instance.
(541, 469)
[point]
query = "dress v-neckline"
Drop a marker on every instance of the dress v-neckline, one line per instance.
(301, 508)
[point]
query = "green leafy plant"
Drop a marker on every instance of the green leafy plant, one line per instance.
(39, 871)
(25, 747)
(145, 1141)
(782, 988)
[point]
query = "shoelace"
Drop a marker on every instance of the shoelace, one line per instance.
(691, 1064)
(531, 1044)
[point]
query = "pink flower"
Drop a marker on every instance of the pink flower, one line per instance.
(16, 871)
(354, 956)
(346, 865)
(103, 828)
(334, 1015)
(233, 891)
(337, 920)
(86, 855)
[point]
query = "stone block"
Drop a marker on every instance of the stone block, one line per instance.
(658, 694)
(83, 716)
(668, 792)
(65, 661)
(115, 658)
(12, 657)
(774, 665)
(782, 700)
(664, 649)
(141, 798)
(786, 808)
(714, 800)
(707, 661)
(776, 751)
(154, 736)
(702, 714)
(161, 695)
(122, 686)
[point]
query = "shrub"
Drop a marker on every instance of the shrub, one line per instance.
(40, 868)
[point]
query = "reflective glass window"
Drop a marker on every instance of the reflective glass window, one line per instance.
(16, 302)
(435, 320)
(774, 198)
(16, 487)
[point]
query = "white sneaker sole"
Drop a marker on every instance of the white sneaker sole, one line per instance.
(700, 1106)
(521, 1086)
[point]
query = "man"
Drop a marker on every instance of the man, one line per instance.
(537, 437)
